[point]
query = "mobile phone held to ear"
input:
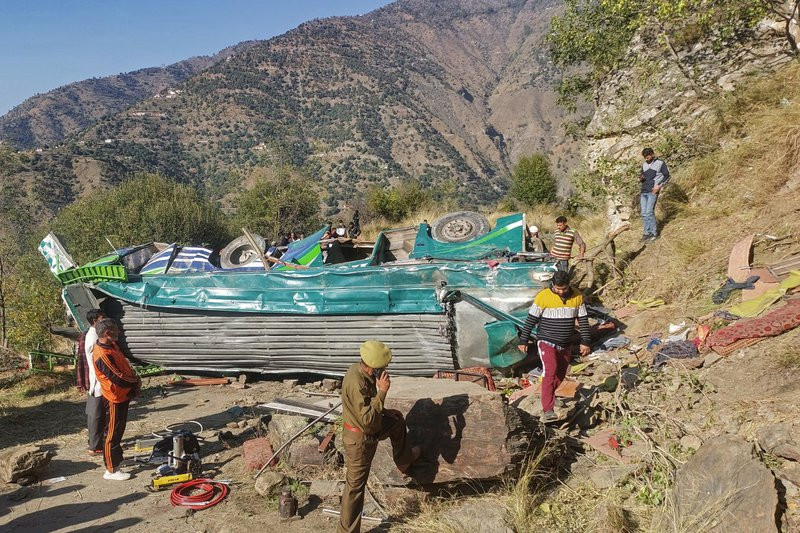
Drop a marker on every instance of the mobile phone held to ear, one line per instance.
(378, 372)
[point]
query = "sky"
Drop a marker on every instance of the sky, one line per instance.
(45, 44)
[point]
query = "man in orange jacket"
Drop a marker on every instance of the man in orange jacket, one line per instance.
(119, 384)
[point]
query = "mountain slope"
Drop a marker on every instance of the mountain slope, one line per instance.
(49, 118)
(447, 93)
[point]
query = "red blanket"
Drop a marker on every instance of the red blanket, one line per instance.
(774, 323)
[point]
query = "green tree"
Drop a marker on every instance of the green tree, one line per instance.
(396, 203)
(597, 33)
(283, 202)
(146, 208)
(31, 302)
(532, 182)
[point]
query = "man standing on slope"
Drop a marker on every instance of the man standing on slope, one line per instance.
(563, 239)
(119, 384)
(366, 422)
(555, 310)
(653, 178)
(95, 405)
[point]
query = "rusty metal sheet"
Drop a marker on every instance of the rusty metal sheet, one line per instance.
(740, 259)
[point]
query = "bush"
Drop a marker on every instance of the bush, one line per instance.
(143, 209)
(280, 203)
(532, 183)
(396, 203)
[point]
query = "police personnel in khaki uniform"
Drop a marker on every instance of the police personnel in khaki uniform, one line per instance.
(366, 422)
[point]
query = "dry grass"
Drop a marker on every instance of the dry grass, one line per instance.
(749, 182)
(518, 497)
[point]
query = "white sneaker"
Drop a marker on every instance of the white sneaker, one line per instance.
(119, 475)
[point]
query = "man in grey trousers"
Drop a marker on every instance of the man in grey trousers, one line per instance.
(653, 178)
(95, 404)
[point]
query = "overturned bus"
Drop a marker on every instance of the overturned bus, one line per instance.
(442, 299)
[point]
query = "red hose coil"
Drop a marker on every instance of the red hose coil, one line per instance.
(187, 495)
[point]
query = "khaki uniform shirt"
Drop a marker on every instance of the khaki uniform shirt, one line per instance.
(362, 402)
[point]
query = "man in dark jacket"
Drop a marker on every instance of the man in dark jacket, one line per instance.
(653, 178)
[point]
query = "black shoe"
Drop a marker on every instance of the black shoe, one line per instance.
(646, 238)
(652, 238)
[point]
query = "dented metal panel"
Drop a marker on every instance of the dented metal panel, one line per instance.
(324, 344)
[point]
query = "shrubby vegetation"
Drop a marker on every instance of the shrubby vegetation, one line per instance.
(595, 34)
(280, 203)
(396, 203)
(532, 183)
(143, 209)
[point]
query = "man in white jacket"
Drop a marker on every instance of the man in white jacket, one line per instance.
(95, 404)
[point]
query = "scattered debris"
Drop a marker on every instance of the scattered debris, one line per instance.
(364, 518)
(753, 330)
(740, 259)
(331, 385)
(290, 405)
(256, 452)
(478, 374)
(198, 382)
(270, 483)
(606, 442)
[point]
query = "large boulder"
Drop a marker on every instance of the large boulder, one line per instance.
(465, 432)
(723, 487)
(23, 462)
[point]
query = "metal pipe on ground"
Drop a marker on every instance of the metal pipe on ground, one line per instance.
(291, 440)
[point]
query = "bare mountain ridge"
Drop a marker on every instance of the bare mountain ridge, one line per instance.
(49, 118)
(447, 92)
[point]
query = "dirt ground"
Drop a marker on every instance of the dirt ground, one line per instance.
(87, 502)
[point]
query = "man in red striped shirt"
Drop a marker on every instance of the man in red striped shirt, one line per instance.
(563, 239)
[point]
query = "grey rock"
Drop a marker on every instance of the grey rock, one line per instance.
(723, 487)
(305, 451)
(283, 427)
(476, 516)
(331, 384)
(691, 441)
(270, 483)
(291, 382)
(607, 477)
(241, 423)
(21, 463)
(325, 488)
(710, 359)
(242, 378)
(778, 439)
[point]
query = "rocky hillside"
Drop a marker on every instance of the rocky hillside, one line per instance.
(48, 119)
(446, 93)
